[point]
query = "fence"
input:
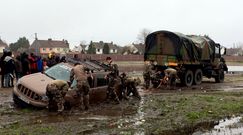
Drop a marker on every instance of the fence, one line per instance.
(102, 57)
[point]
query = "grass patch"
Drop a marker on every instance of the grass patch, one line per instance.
(190, 109)
(19, 129)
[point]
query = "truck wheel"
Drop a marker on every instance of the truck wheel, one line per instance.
(198, 77)
(220, 77)
(188, 78)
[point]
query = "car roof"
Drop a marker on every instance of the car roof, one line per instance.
(91, 64)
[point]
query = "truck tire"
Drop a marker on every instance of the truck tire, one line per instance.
(220, 77)
(188, 78)
(198, 77)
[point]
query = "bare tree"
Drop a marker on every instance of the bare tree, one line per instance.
(142, 35)
(83, 42)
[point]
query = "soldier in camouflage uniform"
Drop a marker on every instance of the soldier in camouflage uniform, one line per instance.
(79, 74)
(147, 73)
(169, 79)
(114, 82)
(56, 91)
(129, 85)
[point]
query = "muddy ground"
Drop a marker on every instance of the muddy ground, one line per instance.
(181, 111)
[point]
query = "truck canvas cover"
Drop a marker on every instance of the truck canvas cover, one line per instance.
(182, 47)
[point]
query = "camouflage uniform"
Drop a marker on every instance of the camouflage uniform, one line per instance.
(78, 73)
(170, 76)
(123, 91)
(147, 74)
(114, 83)
(130, 85)
(55, 91)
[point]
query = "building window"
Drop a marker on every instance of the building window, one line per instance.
(43, 49)
(114, 50)
(50, 49)
(98, 50)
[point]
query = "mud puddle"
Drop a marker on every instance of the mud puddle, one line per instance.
(233, 88)
(226, 126)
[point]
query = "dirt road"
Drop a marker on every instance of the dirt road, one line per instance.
(181, 111)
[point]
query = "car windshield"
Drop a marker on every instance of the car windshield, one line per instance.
(59, 72)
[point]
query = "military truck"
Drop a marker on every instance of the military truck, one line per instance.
(193, 56)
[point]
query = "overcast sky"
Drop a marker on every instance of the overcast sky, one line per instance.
(119, 21)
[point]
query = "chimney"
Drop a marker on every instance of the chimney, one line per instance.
(36, 36)
(49, 39)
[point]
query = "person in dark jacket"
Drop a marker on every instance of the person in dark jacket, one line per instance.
(2, 67)
(33, 63)
(51, 60)
(9, 70)
(25, 64)
(18, 68)
(63, 59)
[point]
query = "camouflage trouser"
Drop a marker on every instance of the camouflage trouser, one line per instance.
(83, 93)
(146, 77)
(114, 84)
(131, 88)
(171, 83)
(56, 100)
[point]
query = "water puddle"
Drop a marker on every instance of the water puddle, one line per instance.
(233, 88)
(231, 126)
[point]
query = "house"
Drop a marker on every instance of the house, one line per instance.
(79, 49)
(140, 48)
(134, 49)
(233, 51)
(3, 46)
(42, 47)
(100, 47)
(113, 48)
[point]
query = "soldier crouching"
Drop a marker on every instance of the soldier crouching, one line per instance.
(170, 75)
(56, 91)
(129, 85)
(113, 85)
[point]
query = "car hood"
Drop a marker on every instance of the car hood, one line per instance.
(36, 82)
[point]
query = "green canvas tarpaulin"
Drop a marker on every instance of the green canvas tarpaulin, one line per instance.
(184, 47)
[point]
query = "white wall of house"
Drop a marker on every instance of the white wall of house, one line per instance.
(56, 50)
(99, 51)
(77, 49)
(113, 50)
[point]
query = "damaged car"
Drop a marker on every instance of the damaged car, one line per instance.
(30, 90)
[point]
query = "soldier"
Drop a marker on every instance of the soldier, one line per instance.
(130, 84)
(55, 91)
(79, 74)
(123, 91)
(147, 73)
(169, 78)
(114, 81)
